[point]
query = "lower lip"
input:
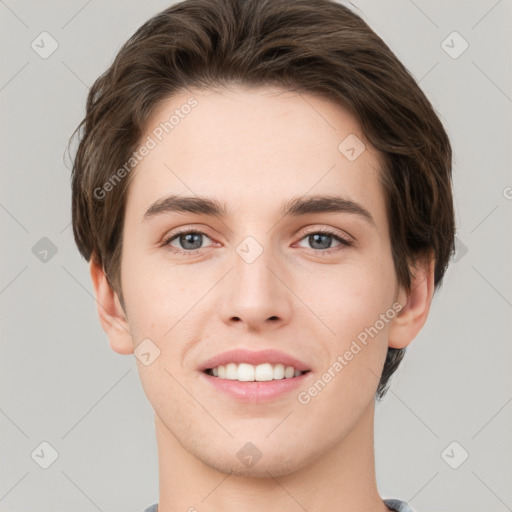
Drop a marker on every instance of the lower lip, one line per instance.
(256, 392)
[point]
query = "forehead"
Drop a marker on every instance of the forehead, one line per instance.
(253, 147)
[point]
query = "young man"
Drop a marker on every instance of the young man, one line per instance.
(264, 195)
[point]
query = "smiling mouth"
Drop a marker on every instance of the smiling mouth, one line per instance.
(245, 372)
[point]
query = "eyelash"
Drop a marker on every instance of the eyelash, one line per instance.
(344, 242)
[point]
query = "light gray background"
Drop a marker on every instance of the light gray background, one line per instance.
(61, 383)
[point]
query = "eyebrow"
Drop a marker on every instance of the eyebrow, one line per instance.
(297, 206)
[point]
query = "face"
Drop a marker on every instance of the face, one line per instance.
(313, 286)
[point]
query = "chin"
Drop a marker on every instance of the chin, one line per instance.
(266, 467)
(263, 459)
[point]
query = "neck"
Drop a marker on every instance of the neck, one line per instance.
(341, 479)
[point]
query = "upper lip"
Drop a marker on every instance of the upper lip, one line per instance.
(241, 355)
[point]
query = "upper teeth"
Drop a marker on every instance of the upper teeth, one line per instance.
(261, 372)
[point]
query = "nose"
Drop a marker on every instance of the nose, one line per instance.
(256, 293)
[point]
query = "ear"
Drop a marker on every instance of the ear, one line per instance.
(112, 317)
(411, 318)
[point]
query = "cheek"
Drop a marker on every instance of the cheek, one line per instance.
(355, 352)
(352, 297)
(148, 295)
(356, 303)
(164, 300)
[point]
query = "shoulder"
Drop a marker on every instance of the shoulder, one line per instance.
(396, 505)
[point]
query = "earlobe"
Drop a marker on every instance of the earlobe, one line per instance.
(416, 306)
(112, 317)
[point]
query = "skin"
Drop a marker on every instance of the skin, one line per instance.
(254, 149)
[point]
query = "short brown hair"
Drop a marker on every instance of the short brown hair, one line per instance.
(312, 46)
